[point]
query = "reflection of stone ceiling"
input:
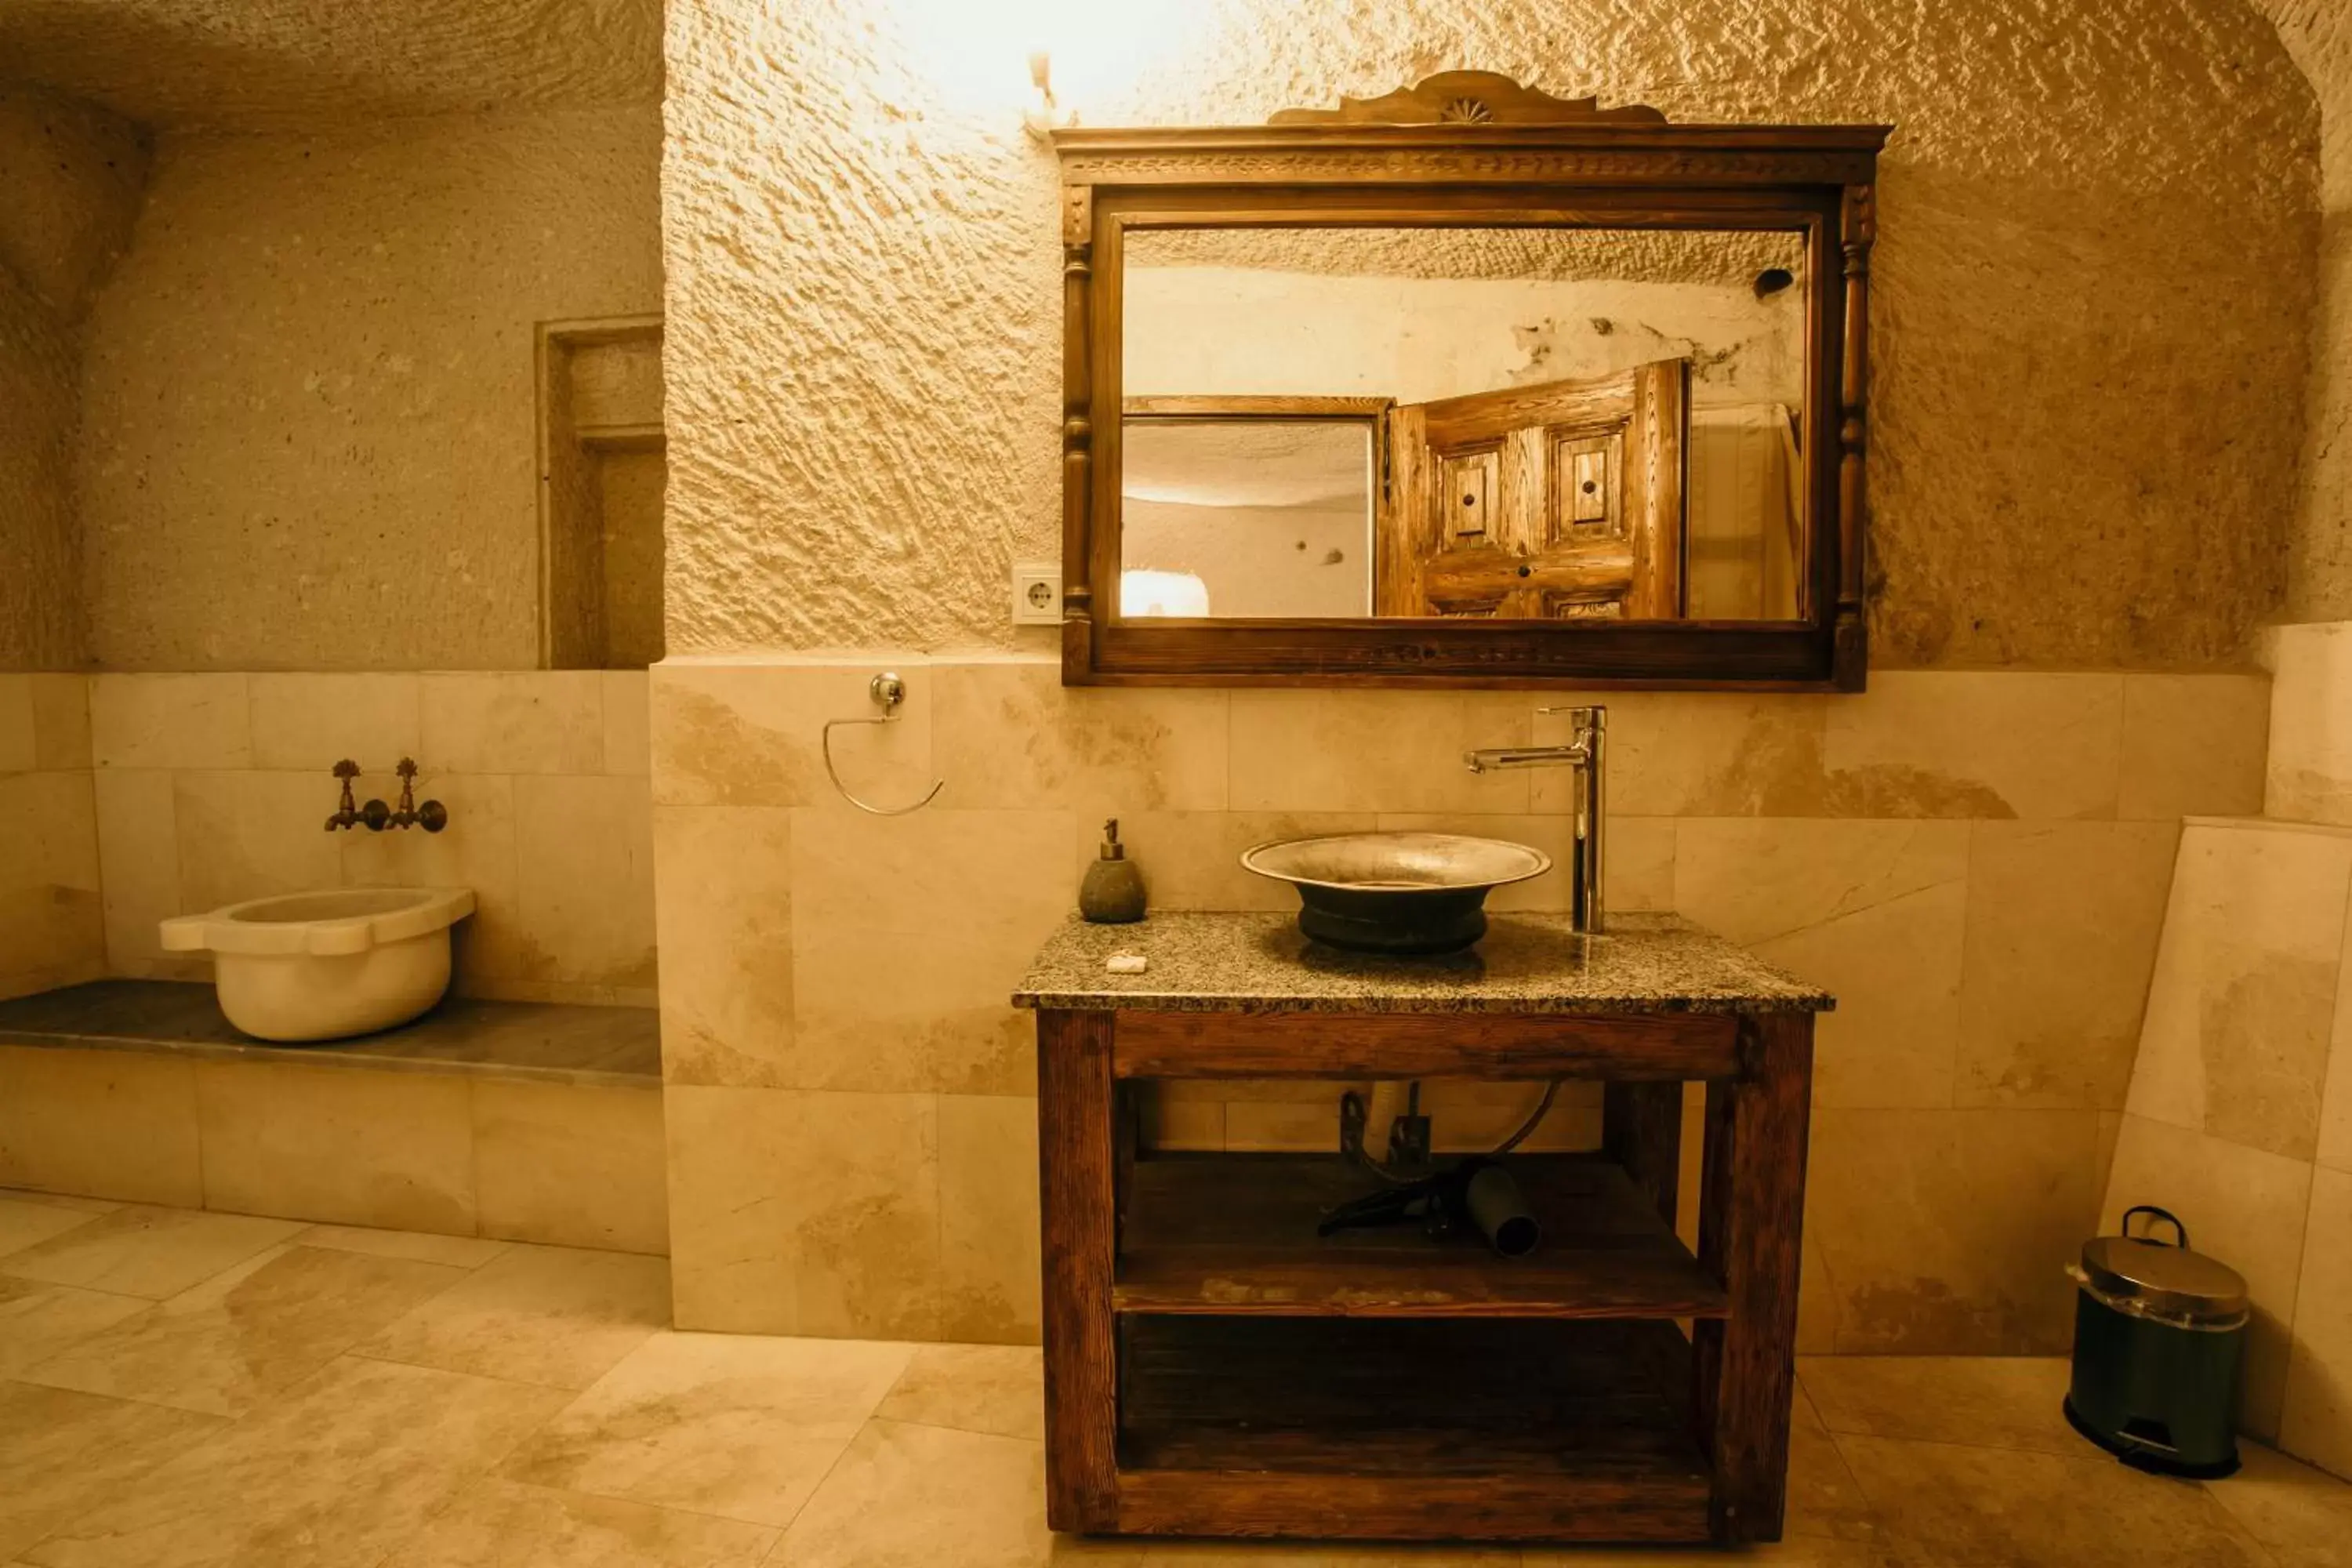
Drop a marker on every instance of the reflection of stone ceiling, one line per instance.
(251, 64)
(1246, 463)
(1651, 256)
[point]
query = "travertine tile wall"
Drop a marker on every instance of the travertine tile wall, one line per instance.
(520, 1160)
(2239, 1113)
(50, 932)
(212, 788)
(2310, 768)
(1976, 862)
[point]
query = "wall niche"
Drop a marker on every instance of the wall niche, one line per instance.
(603, 470)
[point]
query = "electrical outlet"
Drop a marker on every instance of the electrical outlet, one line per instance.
(1036, 593)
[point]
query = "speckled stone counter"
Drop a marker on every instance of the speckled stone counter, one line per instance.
(546, 1042)
(1238, 963)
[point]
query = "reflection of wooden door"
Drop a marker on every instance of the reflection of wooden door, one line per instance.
(1557, 501)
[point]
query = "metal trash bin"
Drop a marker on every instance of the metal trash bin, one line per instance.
(2159, 1345)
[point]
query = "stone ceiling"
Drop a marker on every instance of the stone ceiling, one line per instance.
(1649, 255)
(1252, 463)
(239, 65)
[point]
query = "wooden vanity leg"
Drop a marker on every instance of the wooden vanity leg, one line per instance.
(1751, 1215)
(1642, 1130)
(1077, 1159)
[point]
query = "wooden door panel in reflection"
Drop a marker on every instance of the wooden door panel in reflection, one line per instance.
(1560, 501)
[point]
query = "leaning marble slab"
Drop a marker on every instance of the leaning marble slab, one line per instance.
(539, 1042)
(1243, 962)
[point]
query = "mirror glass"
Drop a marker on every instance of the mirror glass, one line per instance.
(1554, 424)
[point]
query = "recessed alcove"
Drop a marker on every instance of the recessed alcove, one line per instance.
(603, 470)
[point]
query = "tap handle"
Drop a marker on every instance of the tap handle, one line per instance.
(346, 808)
(1593, 713)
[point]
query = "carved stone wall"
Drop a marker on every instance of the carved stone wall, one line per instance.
(246, 65)
(308, 439)
(2319, 34)
(69, 182)
(2076, 464)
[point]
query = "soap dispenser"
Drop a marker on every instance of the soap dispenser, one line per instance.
(1112, 891)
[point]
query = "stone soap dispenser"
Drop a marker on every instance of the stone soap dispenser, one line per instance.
(1112, 891)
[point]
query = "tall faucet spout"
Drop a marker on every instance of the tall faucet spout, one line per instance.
(1587, 753)
(1495, 759)
(1587, 904)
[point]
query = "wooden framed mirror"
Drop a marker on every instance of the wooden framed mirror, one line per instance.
(1467, 385)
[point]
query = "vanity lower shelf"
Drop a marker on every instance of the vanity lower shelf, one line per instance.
(1233, 1234)
(1407, 1428)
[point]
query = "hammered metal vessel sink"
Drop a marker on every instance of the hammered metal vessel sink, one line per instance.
(1396, 892)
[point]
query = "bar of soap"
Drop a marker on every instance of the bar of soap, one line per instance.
(1127, 964)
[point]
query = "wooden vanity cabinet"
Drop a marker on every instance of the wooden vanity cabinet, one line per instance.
(1212, 1369)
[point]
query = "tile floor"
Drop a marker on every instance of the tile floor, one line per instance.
(180, 1388)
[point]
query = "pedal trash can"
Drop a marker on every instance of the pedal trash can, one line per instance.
(2159, 1346)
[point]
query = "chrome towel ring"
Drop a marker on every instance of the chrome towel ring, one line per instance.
(888, 692)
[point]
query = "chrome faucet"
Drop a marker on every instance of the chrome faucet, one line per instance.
(1587, 751)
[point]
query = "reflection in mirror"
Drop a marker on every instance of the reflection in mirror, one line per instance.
(1529, 423)
(1265, 505)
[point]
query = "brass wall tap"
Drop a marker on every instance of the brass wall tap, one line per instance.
(375, 815)
(431, 816)
(347, 812)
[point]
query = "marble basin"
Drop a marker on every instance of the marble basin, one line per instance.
(1396, 892)
(324, 966)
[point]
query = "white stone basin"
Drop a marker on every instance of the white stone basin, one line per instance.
(324, 966)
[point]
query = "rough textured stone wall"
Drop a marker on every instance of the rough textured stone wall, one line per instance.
(2318, 35)
(69, 180)
(309, 438)
(246, 64)
(2093, 285)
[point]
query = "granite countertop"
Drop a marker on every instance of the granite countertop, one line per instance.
(547, 1042)
(1235, 963)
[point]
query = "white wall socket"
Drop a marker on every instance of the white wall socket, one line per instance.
(1036, 593)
